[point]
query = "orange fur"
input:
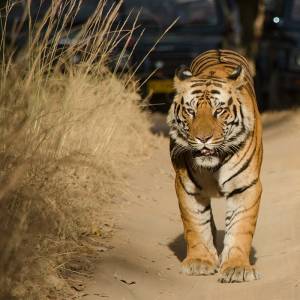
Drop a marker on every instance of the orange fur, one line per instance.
(216, 150)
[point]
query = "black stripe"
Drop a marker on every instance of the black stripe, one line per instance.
(241, 112)
(217, 84)
(192, 177)
(227, 159)
(233, 123)
(238, 134)
(196, 92)
(197, 84)
(204, 222)
(215, 92)
(235, 119)
(228, 227)
(180, 134)
(177, 109)
(232, 213)
(208, 207)
(238, 221)
(237, 147)
(198, 80)
(236, 213)
(217, 79)
(205, 209)
(176, 158)
(243, 168)
(234, 111)
(242, 189)
(252, 136)
(231, 274)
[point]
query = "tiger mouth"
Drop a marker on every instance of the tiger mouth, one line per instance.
(204, 152)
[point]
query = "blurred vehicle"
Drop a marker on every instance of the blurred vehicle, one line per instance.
(18, 23)
(200, 26)
(278, 56)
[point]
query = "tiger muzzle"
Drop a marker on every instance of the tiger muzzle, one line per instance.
(204, 152)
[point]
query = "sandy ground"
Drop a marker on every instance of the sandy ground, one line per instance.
(149, 245)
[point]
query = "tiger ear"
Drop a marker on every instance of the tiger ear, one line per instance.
(238, 77)
(182, 74)
(235, 74)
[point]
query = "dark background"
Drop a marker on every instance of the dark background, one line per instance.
(266, 32)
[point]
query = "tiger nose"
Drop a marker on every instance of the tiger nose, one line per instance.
(204, 139)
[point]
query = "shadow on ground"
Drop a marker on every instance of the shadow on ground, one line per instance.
(178, 247)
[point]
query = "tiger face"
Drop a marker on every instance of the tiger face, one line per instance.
(207, 116)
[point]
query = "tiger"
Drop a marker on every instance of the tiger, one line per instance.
(216, 151)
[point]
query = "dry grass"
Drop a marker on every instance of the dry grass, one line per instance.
(66, 138)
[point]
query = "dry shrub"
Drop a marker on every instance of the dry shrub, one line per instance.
(66, 138)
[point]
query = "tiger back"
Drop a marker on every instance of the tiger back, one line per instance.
(216, 151)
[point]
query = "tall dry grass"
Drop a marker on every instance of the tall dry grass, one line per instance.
(66, 138)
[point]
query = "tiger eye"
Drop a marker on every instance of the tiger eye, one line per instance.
(191, 111)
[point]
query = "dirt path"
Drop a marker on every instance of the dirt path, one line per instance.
(145, 261)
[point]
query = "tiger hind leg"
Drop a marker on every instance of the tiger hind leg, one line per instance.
(241, 216)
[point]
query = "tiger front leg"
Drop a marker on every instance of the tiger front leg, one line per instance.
(241, 217)
(202, 258)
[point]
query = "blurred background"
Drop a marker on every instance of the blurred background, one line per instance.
(172, 32)
(79, 80)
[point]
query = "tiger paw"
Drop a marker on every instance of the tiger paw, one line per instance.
(233, 274)
(198, 266)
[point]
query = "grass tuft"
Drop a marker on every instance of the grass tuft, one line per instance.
(67, 133)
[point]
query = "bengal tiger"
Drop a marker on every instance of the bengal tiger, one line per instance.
(216, 150)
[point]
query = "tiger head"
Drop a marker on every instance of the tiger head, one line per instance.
(211, 116)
